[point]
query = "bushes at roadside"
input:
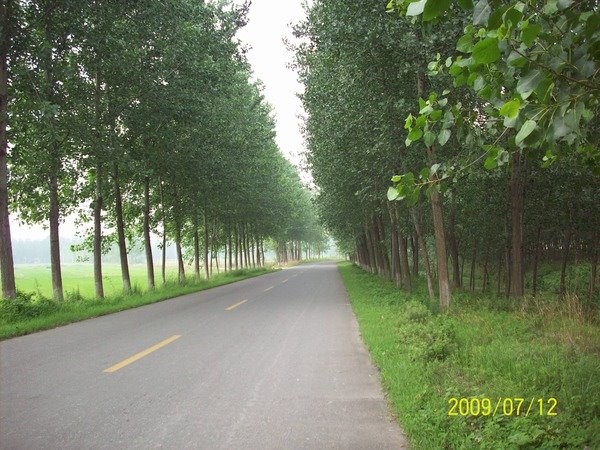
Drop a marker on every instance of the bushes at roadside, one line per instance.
(26, 305)
(424, 337)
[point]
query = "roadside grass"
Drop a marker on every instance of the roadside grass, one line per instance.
(485, 347)
(32, 311)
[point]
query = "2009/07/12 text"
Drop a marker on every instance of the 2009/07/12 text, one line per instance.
(505, 406)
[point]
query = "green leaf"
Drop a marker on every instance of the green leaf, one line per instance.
(444, 136)
(416, 8)
(396, 178)
(525, 131)
(529, 34)
(465, 4)
(591, 25)
(486, 51)
(529, 82)
(559, 127)
(512, 17)
(428, 138)
(511, 109)
(415, 134)
(426, 109)
(551, 7)
(516, 60)
(481, 12)
(479, 83)
(510, 123)
(435, 115)
(408, 122)
(392, 193)
(490, 163)
(434, 8)
(564, 4)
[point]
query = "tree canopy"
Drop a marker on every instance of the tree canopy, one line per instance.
(143, 118)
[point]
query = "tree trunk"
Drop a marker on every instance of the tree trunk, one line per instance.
(438, 221)
(486, 274)
(54, 213)
(516, 220)
(415, 256)
(98, 282)
(416, 216)
(385, 260)
(180, 264)
(404, 266)
(247, 247)
(499, 274)
(230, 251)
(536, 257)
(258, 262)
(440, 239)
(7, 266)
(57, 286)
(243, 260)
(98, 199)
(206, 244)
(147, 242)
(237, 247)
(164, 220)
(371, 251)
(456, 278)
(395, 247)
(473, 266)
(121, 232)
(252, 254)
(225, 254)
(594, 265)
(196, 249)
(404, 269)
(565, 259)
(508, 272)
(217, 259)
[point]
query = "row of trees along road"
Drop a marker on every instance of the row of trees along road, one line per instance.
(144, 113)
(487, 113)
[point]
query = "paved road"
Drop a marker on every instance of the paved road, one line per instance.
(284, 369)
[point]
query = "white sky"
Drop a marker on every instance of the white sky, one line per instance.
(269, 23)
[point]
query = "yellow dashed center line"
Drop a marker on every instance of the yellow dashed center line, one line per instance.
(229, 308)
(140, 355)
(268, 289)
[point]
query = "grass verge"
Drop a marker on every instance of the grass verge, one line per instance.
(32, 312)
(483, 348)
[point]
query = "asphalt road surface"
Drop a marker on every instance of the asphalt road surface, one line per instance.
(270, 362)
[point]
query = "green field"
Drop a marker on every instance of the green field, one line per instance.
(80, 277)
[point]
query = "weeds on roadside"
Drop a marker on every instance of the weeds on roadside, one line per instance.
(485, 347)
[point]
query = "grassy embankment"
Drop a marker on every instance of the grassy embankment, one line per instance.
(485, 347)
(34, 311)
